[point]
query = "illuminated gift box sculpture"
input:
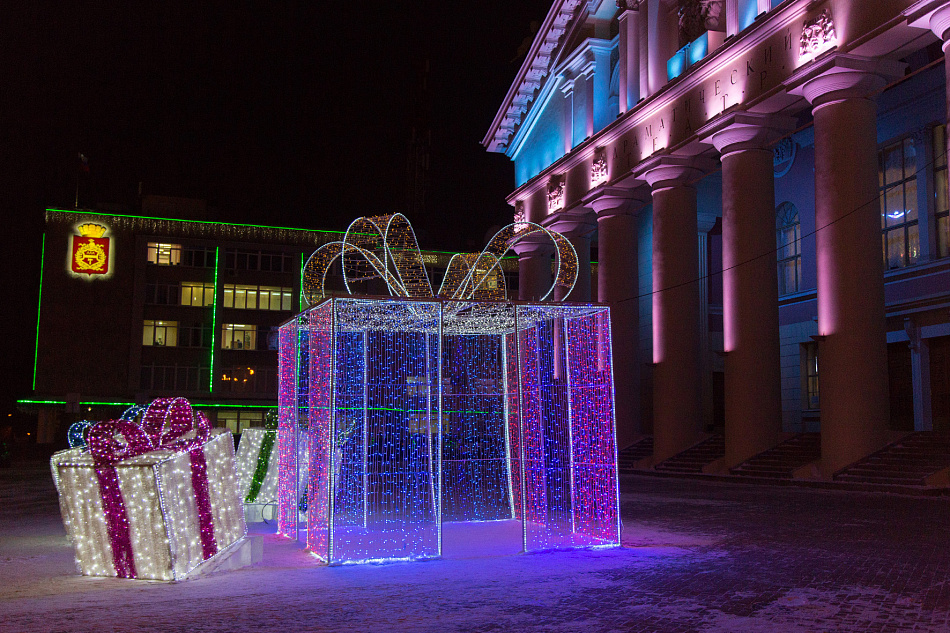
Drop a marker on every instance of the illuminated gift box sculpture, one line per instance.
(153, 500)
(455, 422)
(257, 469)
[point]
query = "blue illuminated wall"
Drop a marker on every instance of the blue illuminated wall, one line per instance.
(544, 143)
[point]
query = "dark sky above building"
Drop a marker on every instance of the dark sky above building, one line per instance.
(284, 113)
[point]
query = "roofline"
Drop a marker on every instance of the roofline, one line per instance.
(539, 39)
(146, 217)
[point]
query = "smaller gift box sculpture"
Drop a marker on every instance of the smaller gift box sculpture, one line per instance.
(151, 499)
(257, 470)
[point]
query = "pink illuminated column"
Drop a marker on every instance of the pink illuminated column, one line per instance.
(753, 397)
(618, 287)
(578, 232)
(629, 48)
(677, 391)
(534, 268)
(852, 350)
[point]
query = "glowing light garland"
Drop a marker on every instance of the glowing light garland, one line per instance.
(76, 434)
(399, 416)
(384, 247)
(153, 499)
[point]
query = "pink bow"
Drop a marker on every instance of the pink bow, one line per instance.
(168, 424)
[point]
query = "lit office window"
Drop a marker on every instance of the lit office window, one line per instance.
(941, 206)
(236, 336)
(160, 333)
(164, 254)
(196, 294)
(898, 182)
(245, 297)
(788, 238)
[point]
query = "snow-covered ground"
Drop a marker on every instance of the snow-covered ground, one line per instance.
(696, 557)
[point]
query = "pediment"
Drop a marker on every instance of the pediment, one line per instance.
(563, 25)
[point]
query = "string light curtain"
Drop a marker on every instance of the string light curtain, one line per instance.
(421, 414)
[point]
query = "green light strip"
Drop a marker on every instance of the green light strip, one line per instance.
(303, 262)
(214, 318)
(39, 305)
(218, 405)
(210, 405)
(145, 217)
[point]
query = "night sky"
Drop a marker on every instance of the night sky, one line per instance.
(283, 113)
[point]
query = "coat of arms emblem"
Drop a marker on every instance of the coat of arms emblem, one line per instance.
(90, 253)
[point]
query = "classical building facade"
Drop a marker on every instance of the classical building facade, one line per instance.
(763, 184)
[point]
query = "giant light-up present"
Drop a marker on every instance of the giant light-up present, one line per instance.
(154, 499)
(414, 424)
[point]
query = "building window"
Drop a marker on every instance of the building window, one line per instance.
(809, 353)
(788, 238)
(241, 379)
(898, 181)
(194, 335)
(268, 261)
(164, 254)
(160, 333)
(197, 294)
(236, 336)
(237, 421)
(942, 204)
(161, 294)
(198, 257)
(256, 297)
(176, 378)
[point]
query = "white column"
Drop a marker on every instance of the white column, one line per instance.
(852, 348)
(704, 223)
(578, 231)
(534, 269)
(753, 398)
(677, 388)
(629, 59)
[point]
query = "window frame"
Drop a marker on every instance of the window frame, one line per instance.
(786, 208)
(907, 179)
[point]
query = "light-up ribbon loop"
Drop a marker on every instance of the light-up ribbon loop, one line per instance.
(168, 424)
(384, 247)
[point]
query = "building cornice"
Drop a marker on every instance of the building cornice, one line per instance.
(777, 24)
(533, 73)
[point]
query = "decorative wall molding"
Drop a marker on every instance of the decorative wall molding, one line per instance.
(818, 35)
(555, 194)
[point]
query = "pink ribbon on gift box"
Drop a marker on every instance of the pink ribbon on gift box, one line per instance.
(168, 424)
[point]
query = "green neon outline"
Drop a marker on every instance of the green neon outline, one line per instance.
(212, 405)
(39, 306)
(303, 262)
(214, 318)
(221, 405)
(146, 217)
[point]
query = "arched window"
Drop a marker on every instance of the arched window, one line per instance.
(788, 241)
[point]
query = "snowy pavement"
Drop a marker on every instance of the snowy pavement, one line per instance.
(697, 556)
